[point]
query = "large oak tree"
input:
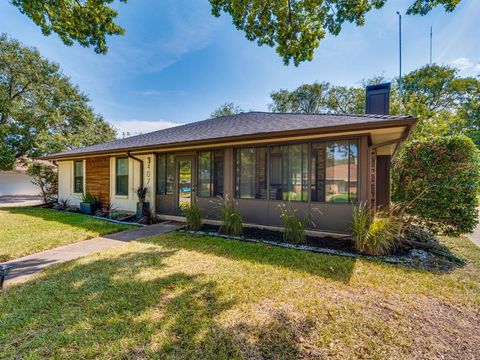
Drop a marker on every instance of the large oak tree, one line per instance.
(41, 111)
(294, 27)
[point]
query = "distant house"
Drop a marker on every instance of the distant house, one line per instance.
(320, 165)
(17, 182)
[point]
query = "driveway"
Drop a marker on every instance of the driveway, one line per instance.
(19, 200)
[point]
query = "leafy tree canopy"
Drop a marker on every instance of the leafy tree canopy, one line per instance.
(86, 22)
(41, 111)
(226, 109)
(444, 102)
(296, 27)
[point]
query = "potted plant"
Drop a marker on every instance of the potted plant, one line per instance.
(142, 204)
(89, 204)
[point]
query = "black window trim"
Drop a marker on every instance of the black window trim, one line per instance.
(212, 171)
(354, 138)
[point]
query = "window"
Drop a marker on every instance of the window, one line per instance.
(121, 173)
(78, 176)
(165, 174)
(251, 173)
(210, 173)
(334, 171)
(289, 172)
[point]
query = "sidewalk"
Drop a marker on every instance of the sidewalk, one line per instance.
(26, 266)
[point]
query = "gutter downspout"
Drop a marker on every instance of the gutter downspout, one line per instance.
(141, 166)
(369, 160)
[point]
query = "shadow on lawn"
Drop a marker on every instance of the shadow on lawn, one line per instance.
(89, 309)
(132, 307)
(332, 267)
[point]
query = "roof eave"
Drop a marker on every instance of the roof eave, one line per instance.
(408, 121)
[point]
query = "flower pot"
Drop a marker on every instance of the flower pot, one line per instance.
(141, 206)
(87, 208)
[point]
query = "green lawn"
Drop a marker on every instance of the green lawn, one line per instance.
(26, 230)
(183, 297)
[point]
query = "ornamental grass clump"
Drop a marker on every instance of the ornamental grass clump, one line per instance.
(193, 216)
(294, 227)
(374, 233)
(231, 219)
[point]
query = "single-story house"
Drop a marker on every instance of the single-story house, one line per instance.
(319, 164)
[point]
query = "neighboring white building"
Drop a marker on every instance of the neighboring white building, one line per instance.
(17, 182)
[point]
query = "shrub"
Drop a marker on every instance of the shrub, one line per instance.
(374, 233)
(45, 177)
(193, 216)
(89, 198)
(231, 219)
(439, 181)
(149, 217)
(142, 193)
(106, 210)
(63, 204)
(294, 227)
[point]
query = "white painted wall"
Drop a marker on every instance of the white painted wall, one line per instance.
(65, 182)
(129, 202)
(16, 183)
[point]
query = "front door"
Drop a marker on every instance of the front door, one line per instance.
(185, 189)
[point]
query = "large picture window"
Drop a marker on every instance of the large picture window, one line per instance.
(165, 174)
(78, 177)
(251, 173)
(210, 173)
(121, 174)
(289, 172)
(334, 171)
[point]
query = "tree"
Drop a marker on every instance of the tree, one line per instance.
(307, 98)
(41, 111)
(319, 98)
(226, 109)
(85, 22)
(296, 27)
(443, 102)
(46, 178)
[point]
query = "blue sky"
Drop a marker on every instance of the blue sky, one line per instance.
(177, 63)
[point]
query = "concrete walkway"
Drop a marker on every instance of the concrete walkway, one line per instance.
(28, 265)
(475, 236)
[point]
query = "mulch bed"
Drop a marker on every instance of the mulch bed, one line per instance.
(328, 242)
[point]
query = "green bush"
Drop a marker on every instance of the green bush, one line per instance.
(374, 234)
(194, 217)
(231, 219)
(438, 180)
(294, 227)
(88, 198)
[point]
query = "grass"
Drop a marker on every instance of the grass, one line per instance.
(26, 230)
(183, 297)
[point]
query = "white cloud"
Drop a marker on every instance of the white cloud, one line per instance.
(466, 64)
(462, 63)
(135, 127)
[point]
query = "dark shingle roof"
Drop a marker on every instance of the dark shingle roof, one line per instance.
(232, 126)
